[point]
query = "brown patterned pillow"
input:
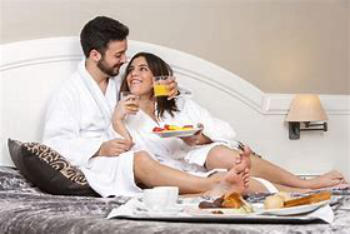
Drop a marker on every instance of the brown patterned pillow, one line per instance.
(48, 170)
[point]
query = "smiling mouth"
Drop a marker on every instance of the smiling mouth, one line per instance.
(135, 82)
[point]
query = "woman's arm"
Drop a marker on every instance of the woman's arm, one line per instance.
(125, 107)
(119, 127)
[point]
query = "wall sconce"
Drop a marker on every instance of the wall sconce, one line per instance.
(305, 108)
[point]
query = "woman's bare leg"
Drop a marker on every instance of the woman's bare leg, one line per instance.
(151, 173)
(275, 174)
(257, 187)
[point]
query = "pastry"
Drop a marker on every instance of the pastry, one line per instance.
(313, 198)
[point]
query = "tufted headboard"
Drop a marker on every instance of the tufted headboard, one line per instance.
(31, 70)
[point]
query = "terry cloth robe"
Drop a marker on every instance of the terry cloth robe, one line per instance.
(173, 151)
(78, 121)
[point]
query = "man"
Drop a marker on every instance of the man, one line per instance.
(79, 124)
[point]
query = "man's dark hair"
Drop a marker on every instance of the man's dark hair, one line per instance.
(98, 32)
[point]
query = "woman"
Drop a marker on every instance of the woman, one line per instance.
(210, 149)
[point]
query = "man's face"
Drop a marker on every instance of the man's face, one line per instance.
(113, 58)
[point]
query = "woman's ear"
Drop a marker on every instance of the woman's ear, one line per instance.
(95, 55)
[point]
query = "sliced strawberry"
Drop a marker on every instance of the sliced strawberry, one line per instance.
(157, 129)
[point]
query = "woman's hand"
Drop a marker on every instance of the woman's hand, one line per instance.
(192, 140)
(172, 87)
(127, 106)
(197, 139)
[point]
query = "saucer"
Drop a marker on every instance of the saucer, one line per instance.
(172, 210)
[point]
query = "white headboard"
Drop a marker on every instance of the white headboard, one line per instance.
(30, 71)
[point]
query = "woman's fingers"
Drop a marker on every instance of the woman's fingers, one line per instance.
(172, 87)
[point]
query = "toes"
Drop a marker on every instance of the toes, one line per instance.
(335, 173)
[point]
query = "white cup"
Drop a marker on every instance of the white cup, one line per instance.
(160, 198)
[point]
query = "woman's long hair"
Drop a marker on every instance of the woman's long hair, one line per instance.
(158, 68)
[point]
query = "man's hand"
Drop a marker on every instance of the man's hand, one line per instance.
(114, 147)
(172, 87)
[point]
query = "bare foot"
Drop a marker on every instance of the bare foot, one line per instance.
(244, 157)
(229, 183)
(329, 179)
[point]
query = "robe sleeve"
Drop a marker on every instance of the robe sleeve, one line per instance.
(216, 129)
(62, 129)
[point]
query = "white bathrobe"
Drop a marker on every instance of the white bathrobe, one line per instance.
(174, 152)
(78, 121)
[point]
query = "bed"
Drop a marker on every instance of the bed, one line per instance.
(30, 71)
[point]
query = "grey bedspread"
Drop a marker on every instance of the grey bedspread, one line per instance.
(25, 209)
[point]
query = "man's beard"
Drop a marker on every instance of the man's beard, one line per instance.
(110, 71)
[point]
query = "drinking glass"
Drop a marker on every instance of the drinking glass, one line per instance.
(124, 95)
(160, 89)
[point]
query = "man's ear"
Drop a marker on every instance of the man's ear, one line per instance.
(95, 55)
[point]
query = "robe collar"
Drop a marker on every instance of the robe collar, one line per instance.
(105, 102)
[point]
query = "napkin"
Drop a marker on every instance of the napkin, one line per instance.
(324, 213)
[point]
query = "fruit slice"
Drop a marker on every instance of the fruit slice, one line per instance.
(187, 127)
(157, 129)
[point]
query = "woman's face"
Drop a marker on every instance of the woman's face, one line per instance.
(140, 77)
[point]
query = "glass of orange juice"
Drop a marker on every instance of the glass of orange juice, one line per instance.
(124, 95)
(160, 89)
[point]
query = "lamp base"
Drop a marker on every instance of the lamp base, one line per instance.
(294, 130)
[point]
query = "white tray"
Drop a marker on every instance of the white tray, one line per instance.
(131, 210)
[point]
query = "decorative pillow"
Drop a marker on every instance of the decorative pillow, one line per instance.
(48, 170)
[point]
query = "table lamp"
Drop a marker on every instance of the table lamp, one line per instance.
(306, 108)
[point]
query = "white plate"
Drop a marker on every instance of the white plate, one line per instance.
(295, 210)
(177, 133)
(259, 210)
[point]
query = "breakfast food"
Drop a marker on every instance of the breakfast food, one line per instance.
(310, 199)
(273, 202)
(283, 200)
(231, 201)
(286, 196)
(276, 201)
(168, 127)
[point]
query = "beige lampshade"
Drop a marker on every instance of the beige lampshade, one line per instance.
(306, 107)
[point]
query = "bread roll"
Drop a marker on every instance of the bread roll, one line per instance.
(273, 202)
(286, 196)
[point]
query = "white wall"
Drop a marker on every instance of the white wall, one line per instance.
(280, 46)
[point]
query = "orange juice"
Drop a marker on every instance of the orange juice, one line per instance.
(160, 90)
